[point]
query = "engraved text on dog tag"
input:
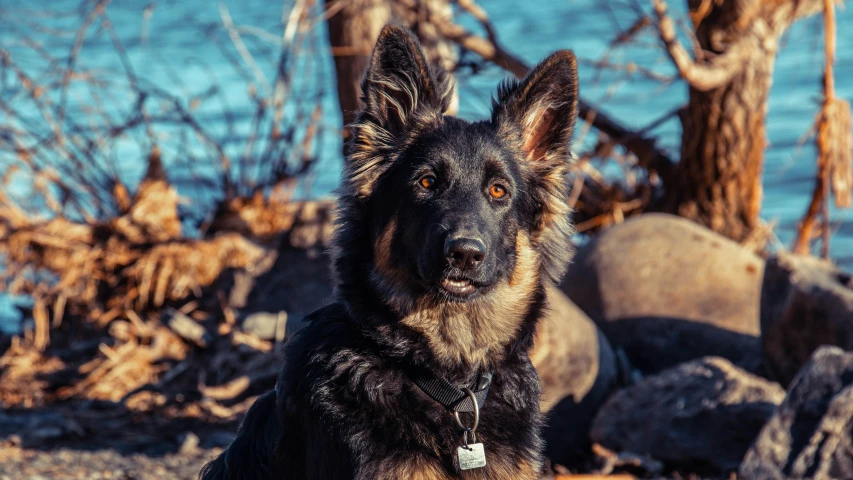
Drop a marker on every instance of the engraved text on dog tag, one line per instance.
(471, 456)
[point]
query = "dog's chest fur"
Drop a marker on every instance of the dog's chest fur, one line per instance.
(348, 410)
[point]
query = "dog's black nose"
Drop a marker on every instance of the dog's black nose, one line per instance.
(464, 253)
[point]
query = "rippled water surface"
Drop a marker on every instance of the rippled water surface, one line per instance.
(179, 55)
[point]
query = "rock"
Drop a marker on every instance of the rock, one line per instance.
(811, 433)
(297, 282)
(578, 371)
(294, 277)
(268, 325)
(666, 290)
(805, 303)
(37, 428)
(283, 289)
(570, 353)
(187, 328)
(702, 415)
(189, 443)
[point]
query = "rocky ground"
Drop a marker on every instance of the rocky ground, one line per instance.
(54, 444)
(74, 464)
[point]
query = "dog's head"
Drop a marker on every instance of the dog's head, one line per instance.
(450, 210)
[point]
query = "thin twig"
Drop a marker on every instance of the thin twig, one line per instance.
(644, 148)
(244, 52)
(75, 51)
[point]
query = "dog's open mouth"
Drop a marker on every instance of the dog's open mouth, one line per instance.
(459, 287)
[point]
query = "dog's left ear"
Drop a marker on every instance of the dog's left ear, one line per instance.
(539, 114)
(542, 108)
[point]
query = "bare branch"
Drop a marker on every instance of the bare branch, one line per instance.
(649, 156)
(632, 31)
(704, 77)
(487, 49)
(75, 51)
(282, 79)
(477, 12)
(630, 68)
(804, 8)
(247, 57)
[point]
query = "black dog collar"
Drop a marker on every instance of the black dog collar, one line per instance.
(452, 397)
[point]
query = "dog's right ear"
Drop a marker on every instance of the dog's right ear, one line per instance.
(402, 94)
(400, 84)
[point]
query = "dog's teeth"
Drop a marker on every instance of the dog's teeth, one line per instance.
(459, 287)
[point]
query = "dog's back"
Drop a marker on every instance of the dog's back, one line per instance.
(252, 454)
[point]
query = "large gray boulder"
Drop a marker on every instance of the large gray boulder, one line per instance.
(666, 290)
(805, 303)
(578, 371)
(811, 434)
(702, 415)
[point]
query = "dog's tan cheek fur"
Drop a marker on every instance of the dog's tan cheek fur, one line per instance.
(476, 331)
(382, 251)
(387, 276)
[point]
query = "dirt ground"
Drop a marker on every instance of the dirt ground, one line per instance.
(68, 464)
(56, 444)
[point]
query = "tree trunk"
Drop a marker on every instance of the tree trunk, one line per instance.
(722, 151)
(353, 31)
(718, 179)
(437, 49)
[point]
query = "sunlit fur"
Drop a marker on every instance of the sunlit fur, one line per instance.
(545, 137)
(344, 406)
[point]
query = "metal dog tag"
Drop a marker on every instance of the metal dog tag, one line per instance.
(471, 456)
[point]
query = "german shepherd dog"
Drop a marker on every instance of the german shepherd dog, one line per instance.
(448, 233)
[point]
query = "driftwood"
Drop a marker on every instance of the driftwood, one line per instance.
(835, 152)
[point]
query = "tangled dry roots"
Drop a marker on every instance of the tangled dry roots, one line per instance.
(130, 263)
(112, 289)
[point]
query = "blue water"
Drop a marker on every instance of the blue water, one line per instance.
(183, 49)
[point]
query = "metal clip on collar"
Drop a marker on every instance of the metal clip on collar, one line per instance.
(472, 428)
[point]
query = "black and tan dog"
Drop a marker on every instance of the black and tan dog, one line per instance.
(447, 234)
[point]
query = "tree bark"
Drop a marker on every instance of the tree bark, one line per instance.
(718, 179)
(722, 151)
(352, 32)
(354, 27)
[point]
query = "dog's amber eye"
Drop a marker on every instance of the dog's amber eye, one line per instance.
(497, 191)
(427, 182)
